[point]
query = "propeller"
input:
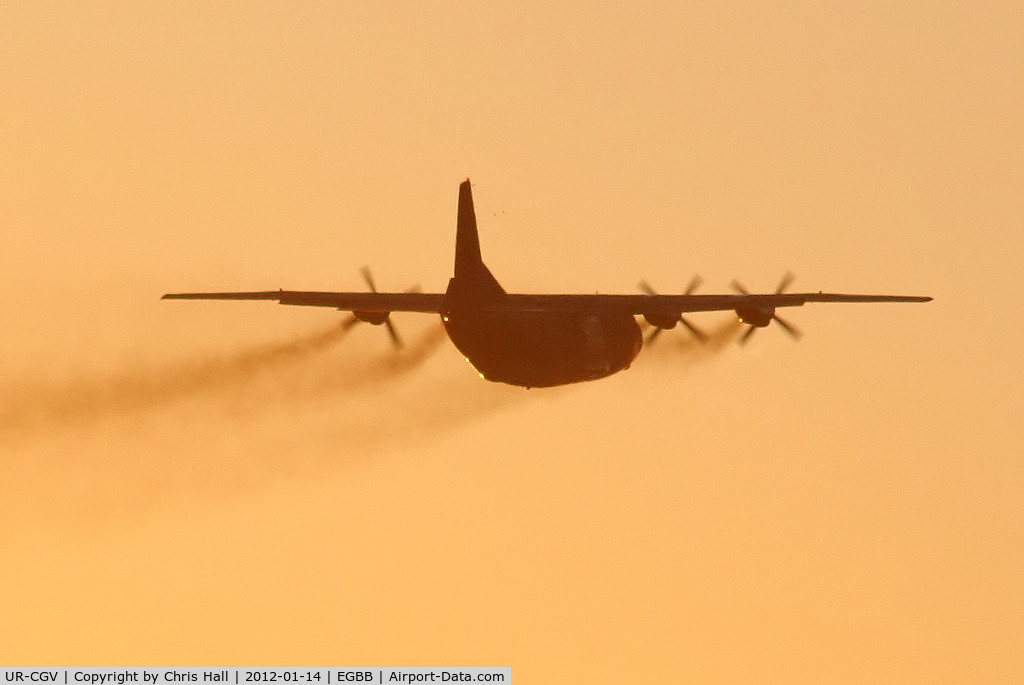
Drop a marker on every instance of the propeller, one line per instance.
(757, 315)
(659, 326)
(376, 318)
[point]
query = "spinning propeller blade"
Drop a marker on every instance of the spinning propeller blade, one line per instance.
(376, 318)
(697, 333)
(793, 331)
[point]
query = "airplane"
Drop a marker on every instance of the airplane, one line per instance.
(543, 340)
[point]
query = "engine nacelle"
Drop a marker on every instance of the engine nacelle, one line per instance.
(374, 318)
(664, 321)
(756, 316)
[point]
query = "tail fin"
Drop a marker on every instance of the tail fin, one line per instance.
(471, 274)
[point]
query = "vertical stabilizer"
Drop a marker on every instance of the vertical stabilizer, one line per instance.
(472, 277)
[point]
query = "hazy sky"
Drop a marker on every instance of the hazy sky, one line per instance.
(203, 483)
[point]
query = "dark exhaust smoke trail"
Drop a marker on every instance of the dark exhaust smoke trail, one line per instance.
(27, 410)
(112, 449)
(675, 347)
(299, 422)
(723, 335)
(347, 374)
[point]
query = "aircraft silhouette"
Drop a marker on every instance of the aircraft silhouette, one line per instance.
(543, 340)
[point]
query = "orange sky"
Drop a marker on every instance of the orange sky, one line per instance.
(845, 509)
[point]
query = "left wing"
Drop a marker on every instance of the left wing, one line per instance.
(370, 302)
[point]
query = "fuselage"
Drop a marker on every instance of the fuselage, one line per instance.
(542, 349)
